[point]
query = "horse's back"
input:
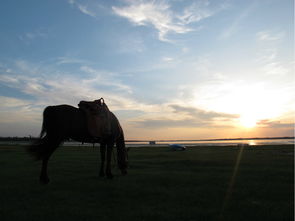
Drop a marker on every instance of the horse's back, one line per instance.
(70, 122)
(62, 107)
(63, 120)
(60, 113)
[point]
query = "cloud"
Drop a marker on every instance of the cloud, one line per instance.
(86, 10)
(201, 114)
(30, 36)
(159, 15)
(184, 116)
(236, 23)
(196, 12)
(7, 103)
(271, 63)
(275, 68)
(167, 123)
(70, 60)
(131, 43)
(270, 36)
(168, 59)
(90, 8)
(274, 124)
(19, 117)
(106, 79)
(48, 85)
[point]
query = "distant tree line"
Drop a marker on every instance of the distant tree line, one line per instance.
(30, 138)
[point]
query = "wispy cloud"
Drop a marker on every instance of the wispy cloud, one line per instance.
(131, 43)
(7, 102)
(47, 86)
(198, 113)
(269, 36)
(168, 123)
(269, 53)
(185, 116)
(54, 87)
(275, 124)
(274, 68)
(70, 60)
(18, 116)
(196, 12)
(105, 79)
(86, 7)
(157, 14)
(236, 22)
(167, 59)
(160, 15)
(30, 36)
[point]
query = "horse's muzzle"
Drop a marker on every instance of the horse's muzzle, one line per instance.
(124, 172)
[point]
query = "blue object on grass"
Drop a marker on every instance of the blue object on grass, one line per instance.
(177, 147)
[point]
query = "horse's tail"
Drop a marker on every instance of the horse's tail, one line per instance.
(122, 155)
(37, 148)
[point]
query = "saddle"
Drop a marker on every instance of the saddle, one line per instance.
(98, 117)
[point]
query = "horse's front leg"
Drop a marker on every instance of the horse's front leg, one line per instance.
(109, 159)
(102, 157)
(44, 176)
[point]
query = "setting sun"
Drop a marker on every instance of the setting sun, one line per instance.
(249, 102)
(247, 122)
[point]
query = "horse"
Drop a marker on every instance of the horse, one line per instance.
(63, 122)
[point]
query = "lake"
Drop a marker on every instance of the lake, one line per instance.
(250, 142)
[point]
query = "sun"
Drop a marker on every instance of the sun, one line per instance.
(248, 121)
(249, 102)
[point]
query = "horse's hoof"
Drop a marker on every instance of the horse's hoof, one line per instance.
(44, 181)
(110, 176)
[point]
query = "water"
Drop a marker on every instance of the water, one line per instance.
(250, 142)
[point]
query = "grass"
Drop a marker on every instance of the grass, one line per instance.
(198, 184)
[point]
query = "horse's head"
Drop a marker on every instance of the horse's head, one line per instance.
(122, 159)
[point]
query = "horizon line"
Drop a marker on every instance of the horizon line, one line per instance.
(171, 140)
(214, 139)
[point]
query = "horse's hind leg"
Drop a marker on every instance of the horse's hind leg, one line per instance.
(102, 157)
(49, 148)
(109, 159)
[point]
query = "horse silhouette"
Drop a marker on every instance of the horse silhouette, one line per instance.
(64, 122)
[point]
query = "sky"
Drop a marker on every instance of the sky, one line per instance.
(168, 69)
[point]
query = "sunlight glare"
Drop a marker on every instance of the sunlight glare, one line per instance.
(248, 121)
(252, 102)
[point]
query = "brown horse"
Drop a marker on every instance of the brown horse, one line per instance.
(64, 122)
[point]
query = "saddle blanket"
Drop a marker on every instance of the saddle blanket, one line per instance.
(98, 117)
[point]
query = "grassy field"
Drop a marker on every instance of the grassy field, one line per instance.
(202, 183)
